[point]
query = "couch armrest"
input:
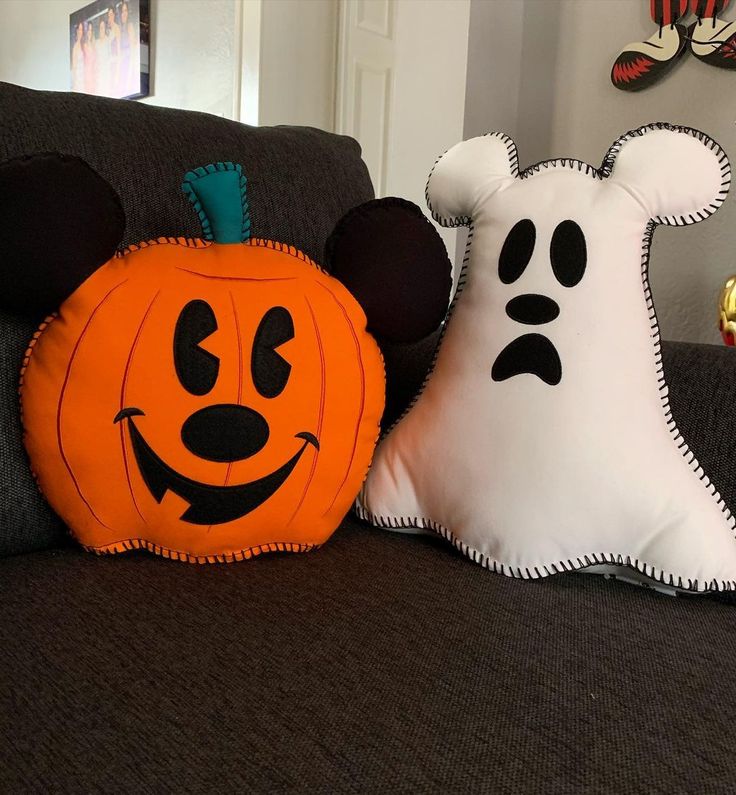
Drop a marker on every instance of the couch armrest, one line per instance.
(702, 381)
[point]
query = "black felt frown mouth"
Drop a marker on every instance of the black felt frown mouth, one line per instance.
(530, 353)
(208, 504)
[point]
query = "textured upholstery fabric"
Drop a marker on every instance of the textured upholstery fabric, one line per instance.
(381, 663)
(702, 381)
(300, 181)
(26, 521)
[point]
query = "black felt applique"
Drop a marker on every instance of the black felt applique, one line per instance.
(225, 432)
(530, 353)
(393, 261)
(517, 250)
(210, 504)
(568, 253)
(196, 368)
(59, 221)
(532, 309)
(269, 369)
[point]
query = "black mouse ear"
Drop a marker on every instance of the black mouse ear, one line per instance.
(392, 259)
(59, 221)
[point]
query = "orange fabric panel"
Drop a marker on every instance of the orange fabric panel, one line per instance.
(111, 348)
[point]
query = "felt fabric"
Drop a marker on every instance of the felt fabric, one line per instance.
(301, 182)
(61, 221)
(379, 664)
(218, 193)
(555, 449)
(145, 427)
(390, 257)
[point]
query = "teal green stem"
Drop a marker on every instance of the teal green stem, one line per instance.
(218, 193)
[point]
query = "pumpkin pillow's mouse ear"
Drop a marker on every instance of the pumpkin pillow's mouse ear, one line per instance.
(393, 261)
(59, 221)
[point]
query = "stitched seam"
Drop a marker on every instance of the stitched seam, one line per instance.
(650, 571)
(725, 168)
(190, 193)
(561, 162)
(544, 570)
(128, 544)
(465, 220)
(195, 242)
(292, 251)
(189, 242)
(663, 389)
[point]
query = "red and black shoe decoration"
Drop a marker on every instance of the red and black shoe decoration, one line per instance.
(713, 40)
(642, 63)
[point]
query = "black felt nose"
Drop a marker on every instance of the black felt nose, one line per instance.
(532, 309)
(225, 432)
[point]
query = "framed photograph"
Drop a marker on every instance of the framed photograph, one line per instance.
(109, 48)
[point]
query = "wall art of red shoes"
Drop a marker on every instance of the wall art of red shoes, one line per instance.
(709, 38)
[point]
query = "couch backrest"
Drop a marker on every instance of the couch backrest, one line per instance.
(300, 181)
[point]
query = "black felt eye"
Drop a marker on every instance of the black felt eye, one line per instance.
(517, 251)
(568, 253)
(196, 368)
(269, 369)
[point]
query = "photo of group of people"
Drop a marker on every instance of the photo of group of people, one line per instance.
(109, 48)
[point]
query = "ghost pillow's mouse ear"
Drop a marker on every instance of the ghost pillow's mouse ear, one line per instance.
(678, 175)
(393, 261)
(469, 173)
(59, 221)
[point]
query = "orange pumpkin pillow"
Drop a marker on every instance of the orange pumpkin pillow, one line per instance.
(206, 399)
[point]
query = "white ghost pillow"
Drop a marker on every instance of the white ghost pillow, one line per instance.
(542, 441)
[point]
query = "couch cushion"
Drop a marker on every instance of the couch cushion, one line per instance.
(300, 181)
(381, 662)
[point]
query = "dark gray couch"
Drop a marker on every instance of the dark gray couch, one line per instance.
(379, 663)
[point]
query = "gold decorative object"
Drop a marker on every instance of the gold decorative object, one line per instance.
(727, 311)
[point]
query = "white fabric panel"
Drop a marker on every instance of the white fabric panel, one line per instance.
(527, 477)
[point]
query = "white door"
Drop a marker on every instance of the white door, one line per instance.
(365, 79)
(401, 88)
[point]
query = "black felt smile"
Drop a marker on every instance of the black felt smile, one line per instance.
(208, 504)
(530, 353)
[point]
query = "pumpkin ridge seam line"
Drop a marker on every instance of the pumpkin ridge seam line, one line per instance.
(61, 399)
(361, 369)
(123, 387)
(315, 455)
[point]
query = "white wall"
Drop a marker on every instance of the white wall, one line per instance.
(561, 56)
(493, 77)
(192, 49)
(428, 99)
(197, 52)
(688, 265)
(194, 52)
(298, 62)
